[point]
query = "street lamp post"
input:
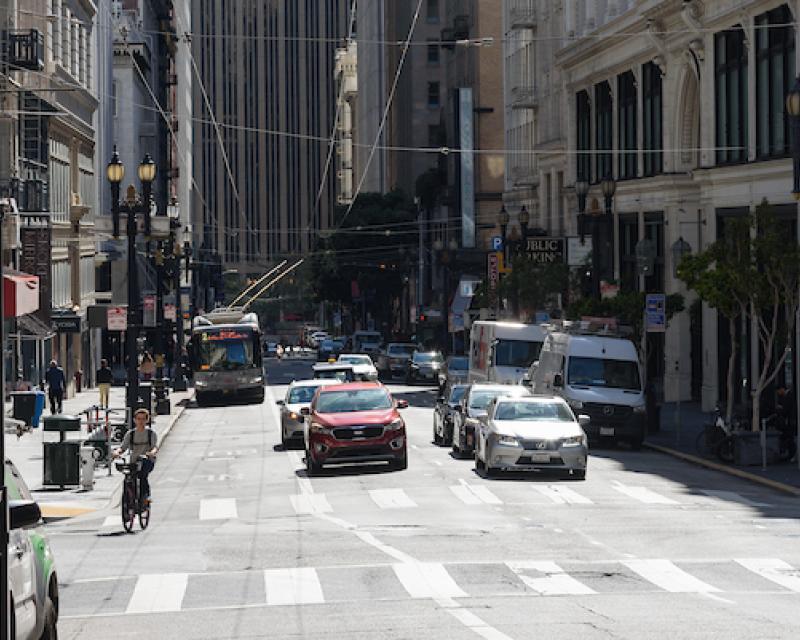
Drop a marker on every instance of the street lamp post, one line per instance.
(179, 251)
(503, 219)
(581, 190)
(793, 110)
(608, 187)
(115, 172)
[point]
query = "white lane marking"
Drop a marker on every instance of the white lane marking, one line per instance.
(774, 570)
(643, 494)
(427, 580)
(562, 495)
(370, 539)
(474, 623)
(438, 463)
(158, 593)
(474, 494)
(111, 521)
(391, 499)
(732, 496)
(668, 576)
(555, 583)
(465, 495)
(485, 495)
(310, 504)
(293, 586)
(218, 509)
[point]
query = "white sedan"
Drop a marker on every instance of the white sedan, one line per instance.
(531, 434)
(363, 367)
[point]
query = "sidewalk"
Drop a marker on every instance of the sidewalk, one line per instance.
(26, 453)
(678, 436)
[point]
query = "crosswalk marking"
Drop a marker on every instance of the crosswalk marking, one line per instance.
(555, 582)
(158, 593)
(643, 494)
(774, 570)
(293, 586)
(474, 494)
(563, 495)
(391, 499)
(310, 503)
(669, 577)
(218, 509)
(111, 521)
(732, 496)
(427, 580)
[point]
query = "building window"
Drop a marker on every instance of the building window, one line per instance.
(731, 95)
(432, 14)
(775, 72)
(434, 135)
(628, 237)
(626, 92)
(433, 94)
(584, 129)
(603, 131)
(433, 53)
(653, 115)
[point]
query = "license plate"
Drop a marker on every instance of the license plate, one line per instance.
(540, 457)
(606, 431)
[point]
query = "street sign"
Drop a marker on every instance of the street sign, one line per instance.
(117, 318)
(149, 310)
(497, 243)
(170, 312)
(493, 268)
(546, 250)
(655, 313)
(66, 323)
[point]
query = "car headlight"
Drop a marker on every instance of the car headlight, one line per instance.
(200, 383)
(575, 404)
(294, 416)
(396, 424)
(640, 408)
(317, 428)
(508, 441)
(574, 441)
(257, 380)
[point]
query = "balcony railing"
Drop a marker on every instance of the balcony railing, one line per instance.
(523, 18)
(524, 97)
(25, 50)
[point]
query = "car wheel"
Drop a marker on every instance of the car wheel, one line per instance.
(201, 399)
(284, 443)
(437, 439)
(637, 442)
(312, 466)
(492, 472)
(578, 474)
(401, 463)
(480, 465)
(50, 631)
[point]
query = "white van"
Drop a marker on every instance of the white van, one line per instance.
(503, 351)
(367, 341)
(598, 374)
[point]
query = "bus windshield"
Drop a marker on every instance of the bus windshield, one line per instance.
(225, 351)
(516, 353)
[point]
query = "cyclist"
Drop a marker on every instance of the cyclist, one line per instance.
(141, 441)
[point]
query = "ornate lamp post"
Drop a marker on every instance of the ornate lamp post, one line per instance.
(581, 190)
(503, 219)
(132, 207)
(608, 188)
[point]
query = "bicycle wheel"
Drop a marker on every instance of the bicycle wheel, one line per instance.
(128, 507)
(144, 516)
(725, 450)
(709, 440)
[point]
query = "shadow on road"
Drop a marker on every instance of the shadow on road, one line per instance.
(349, 470)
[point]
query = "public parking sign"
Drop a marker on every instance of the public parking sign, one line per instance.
(655, 313)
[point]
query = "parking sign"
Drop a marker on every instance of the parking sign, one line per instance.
(656, 313)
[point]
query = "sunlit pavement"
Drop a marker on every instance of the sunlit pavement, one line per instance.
(243, 545)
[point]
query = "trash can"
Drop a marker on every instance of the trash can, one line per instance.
(62, 463)
(87, 455)
(61, 422)
(24, 406)
(41, 399)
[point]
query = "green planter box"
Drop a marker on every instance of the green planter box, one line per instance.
(747, 448)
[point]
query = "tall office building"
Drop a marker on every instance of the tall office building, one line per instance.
(264, 107)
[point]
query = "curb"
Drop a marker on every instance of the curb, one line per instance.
(733, 471)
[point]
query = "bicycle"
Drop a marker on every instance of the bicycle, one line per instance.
(133, 502)
(717, 437)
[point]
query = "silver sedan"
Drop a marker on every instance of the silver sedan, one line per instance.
(532, 434)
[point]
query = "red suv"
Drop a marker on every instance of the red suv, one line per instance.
(356, 422)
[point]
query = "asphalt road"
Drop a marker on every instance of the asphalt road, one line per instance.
(243, 545)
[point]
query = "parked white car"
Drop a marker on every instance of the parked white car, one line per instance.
(363, 367)
(532, 434)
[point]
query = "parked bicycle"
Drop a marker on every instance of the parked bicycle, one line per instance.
(717, 438)
(134, 503)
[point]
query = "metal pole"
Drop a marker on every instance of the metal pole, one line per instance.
(178, 381)
(5, 603)
(132, 332)
(159, 261)
(421, 262)
(595, 258)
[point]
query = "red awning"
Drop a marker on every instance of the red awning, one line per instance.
(20, 294)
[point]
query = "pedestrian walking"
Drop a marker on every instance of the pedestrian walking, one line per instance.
(104, 378)
(56, 383)
(147, 369)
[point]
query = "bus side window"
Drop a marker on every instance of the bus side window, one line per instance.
(257, 350)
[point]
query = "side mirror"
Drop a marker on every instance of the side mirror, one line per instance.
(558, 381)
(584, 420)
(23, 514)
(402, 404)
(305, 411)
(280, 403)
(440, 400)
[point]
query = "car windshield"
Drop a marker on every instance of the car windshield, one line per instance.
(355, 359)
(533, 412)
(599, 372)
(354, 400)
(456, 393)
(516, 353)
(344, 375)
(327, 344)
(302, 395)
(428, 358)
(481, 399)
(458, 364)
(401, 350)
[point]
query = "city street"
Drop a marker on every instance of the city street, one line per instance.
(243, 545)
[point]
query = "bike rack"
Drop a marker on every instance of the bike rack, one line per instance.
(100, 418)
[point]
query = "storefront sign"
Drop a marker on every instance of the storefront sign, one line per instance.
(170, 312)
(117, 318)
(35, 259)
(579, 253)
(493, 269)
(66, 323)
(546, 250)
